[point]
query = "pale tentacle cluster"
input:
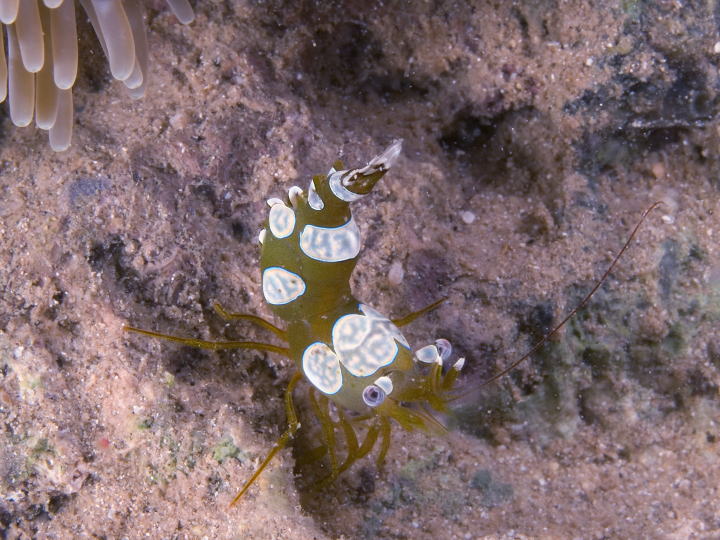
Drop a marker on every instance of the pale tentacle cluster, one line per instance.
(39, 67)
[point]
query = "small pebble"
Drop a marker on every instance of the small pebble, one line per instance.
(467, 216)
(178, 121)
(396, 273)
(658, 169)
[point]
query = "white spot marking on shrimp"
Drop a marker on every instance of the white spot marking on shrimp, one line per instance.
(339, 190)
(314, 200)
(428, 355)
(384, 383)
(281, 286)
(331, 244)
(365, 343)
(322, 366)
(295, 194)
(383, 161)
(394, 330)
(281, 220)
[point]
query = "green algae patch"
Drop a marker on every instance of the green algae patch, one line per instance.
(494, 493)
(226, 449)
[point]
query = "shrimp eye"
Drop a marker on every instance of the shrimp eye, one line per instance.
(444, 348)
(373, 395)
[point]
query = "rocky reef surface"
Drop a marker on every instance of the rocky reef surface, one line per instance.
(535, 134)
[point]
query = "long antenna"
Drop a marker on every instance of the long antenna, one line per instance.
(577, 308)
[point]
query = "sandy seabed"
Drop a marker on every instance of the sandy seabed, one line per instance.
(535, 134)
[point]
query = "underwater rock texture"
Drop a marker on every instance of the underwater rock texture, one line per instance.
(535, 134)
